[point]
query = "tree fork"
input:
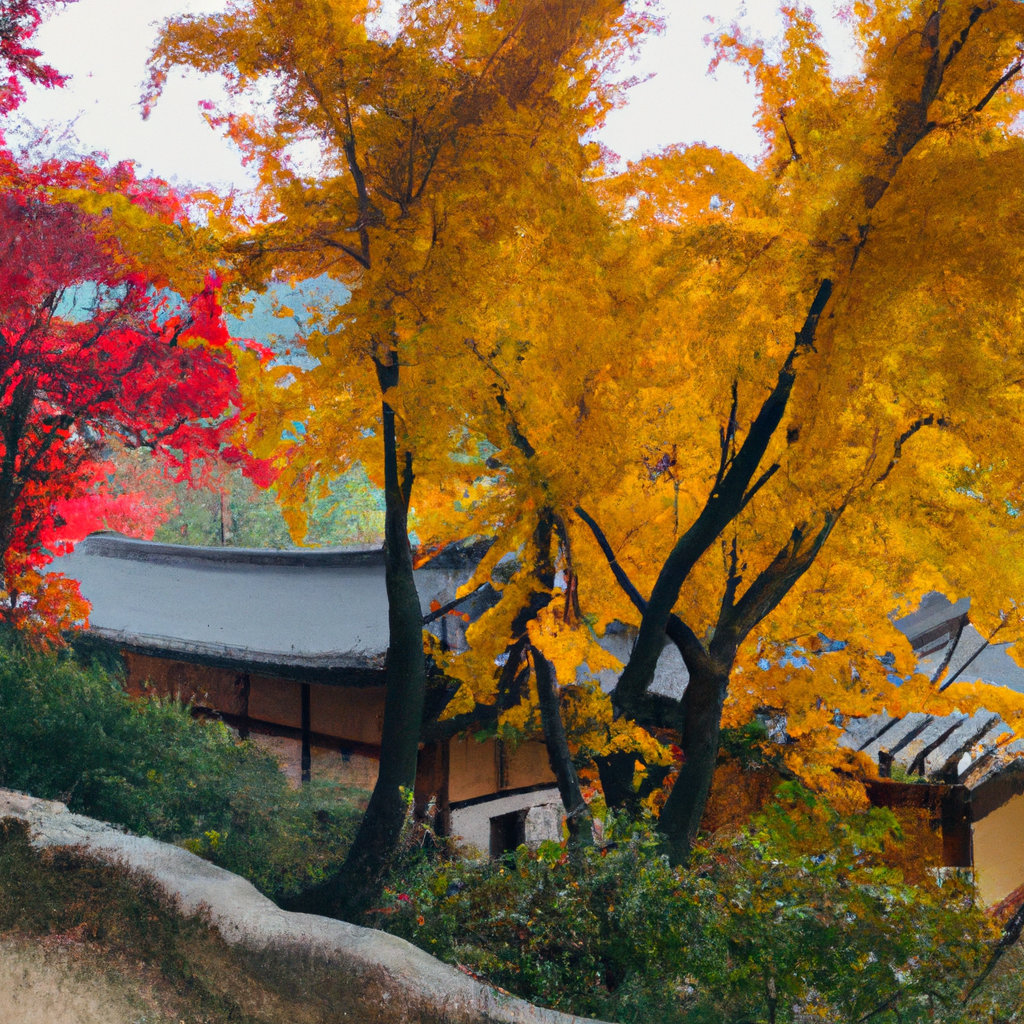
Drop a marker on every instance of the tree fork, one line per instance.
(701, 706)
(727, 499)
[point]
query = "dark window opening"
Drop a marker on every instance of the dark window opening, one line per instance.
(508, 832)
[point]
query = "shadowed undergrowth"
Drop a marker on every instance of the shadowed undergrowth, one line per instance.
(70, 733)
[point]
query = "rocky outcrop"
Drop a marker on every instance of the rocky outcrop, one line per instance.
(362, 975)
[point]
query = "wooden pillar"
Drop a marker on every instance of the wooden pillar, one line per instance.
(305, 733)
(443, 820)
(432, 768)
(956, 829)
(500, 765)
(244, 685)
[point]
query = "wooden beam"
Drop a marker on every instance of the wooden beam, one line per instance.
(306, 760)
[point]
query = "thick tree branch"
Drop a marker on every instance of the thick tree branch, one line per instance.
(331, 243)
(516, 436)
(687, 642)
(724, 503)
(773, 583)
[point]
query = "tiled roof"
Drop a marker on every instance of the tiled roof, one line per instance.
(957, 748)
(316, 614)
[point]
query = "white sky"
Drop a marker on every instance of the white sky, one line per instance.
(103, 45)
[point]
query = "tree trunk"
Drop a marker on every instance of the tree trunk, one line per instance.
(357, 885)
(577, 812)
(701, 724)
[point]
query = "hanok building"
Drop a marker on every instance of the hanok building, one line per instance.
(950, 648)
(292, 646)
(970, 772)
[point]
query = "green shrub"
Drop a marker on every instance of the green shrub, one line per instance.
(795, 917)
(70, 732)
(599, 938)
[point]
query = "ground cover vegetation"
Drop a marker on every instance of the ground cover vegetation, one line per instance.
(794, 914)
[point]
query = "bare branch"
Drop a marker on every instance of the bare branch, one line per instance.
(452, 605)
(995, 88)
(950, 650)
(617, 571)
(761, 481)
(795, 153)
(918, 424)
(727, 436)
(974, 657)
(687, 642)
(348, 250)
(774, 582)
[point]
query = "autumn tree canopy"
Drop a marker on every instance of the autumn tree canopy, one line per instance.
(19, 21)
(734, 406)
(94, 347)
(776, 401)
(419, 128)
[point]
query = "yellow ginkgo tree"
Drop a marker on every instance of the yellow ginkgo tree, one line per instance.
(780, 399)
(385, 139)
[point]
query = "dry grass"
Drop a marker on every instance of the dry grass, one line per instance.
(84, 942)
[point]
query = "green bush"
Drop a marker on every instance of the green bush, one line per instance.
(70, 732)
(794, 918)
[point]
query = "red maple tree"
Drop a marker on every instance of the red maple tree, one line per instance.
(93, 348)
(19, 21)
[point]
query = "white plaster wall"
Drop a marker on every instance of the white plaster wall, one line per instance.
(472, 825)
(999, 851)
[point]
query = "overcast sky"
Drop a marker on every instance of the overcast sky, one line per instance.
(103, 45)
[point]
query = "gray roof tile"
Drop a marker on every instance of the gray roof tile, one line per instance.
(896, 735)
(953, 746)
(933, 732)
(861, 731)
